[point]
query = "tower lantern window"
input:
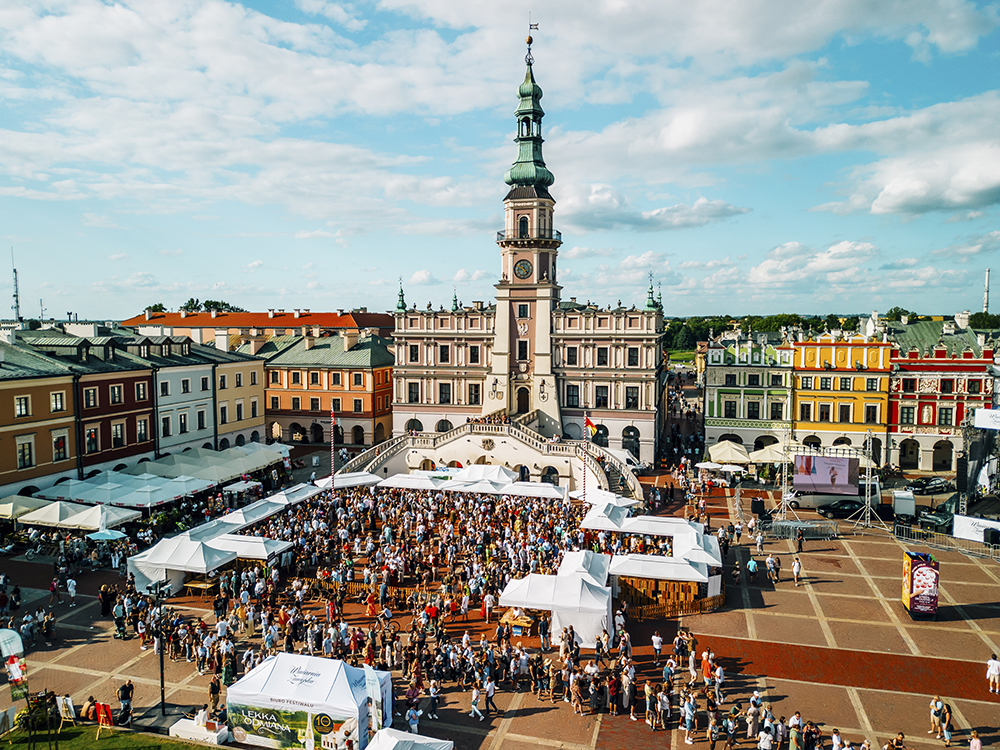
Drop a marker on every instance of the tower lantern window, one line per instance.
(522, 227)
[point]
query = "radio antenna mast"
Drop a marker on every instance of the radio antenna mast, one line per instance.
(17, 295)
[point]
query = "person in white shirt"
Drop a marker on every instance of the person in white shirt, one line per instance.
(201, 718)
(993, 673)
(657, 646)
(71, 589)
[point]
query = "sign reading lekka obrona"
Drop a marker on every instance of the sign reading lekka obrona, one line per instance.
(268, 727)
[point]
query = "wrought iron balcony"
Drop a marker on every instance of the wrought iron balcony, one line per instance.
(544, 234)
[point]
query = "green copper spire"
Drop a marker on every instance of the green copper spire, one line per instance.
(401, 303)
(650, 301)
(454, 300)
(529, 169)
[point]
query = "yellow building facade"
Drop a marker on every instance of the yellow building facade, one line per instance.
(841, 392)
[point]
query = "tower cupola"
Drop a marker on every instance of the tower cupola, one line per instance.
(529, 170)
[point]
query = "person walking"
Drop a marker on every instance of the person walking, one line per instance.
(413, 719)
(974, 742)
(125, 694)
(475, 702)
(435, 694)
(54, 596)
(796, 570)
(657, 646)
(799, 539)
(214, 691)
(71, 590)
(490, 688)
(993, 674)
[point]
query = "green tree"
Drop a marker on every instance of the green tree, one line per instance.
(851, 323)
(192, 305)
(897, 313)
(221, 306)
(984, 320)
(832, 321)
(683, 340)
(157, 307)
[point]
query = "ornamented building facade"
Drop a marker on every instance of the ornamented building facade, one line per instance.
(531, 356)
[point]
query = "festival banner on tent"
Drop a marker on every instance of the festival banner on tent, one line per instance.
(269, 727)
(374, 689)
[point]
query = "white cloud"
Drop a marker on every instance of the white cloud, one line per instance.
(423, 278)
(253, 266)
(303, 234)
(604, 207)
(117, 256)
(710, 264)
(341, 13)
(587, 252)
(100, 221)
(175, 252)
(796, 265)
(972, 248)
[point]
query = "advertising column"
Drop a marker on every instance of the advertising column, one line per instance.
(921, 575)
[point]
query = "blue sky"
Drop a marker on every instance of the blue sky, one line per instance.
(755, 156)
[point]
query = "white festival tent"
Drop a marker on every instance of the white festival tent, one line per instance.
(574, 599)
(300, 687)
(604, 497)
(490, 472)
(482, 487)
(184, 553)
(52, 514)
(100, 517)
(728, 452)
(240, 486)
(411, 482)
(350, 479)
(393, 739)
(195, 550)
(659, 567)
(535, 489)
(251, 547)
(586, 562)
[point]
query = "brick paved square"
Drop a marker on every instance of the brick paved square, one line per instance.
(729, 622)
(869, 637)
(546, 720)
(827, 565)
(788, 600)
(833, 583)
(981, 716)
(972, 593)
(884, 568)
(828, 706)
(852, 608)
(951, 644)
(789, 629)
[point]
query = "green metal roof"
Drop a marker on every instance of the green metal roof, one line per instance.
(20, 362)
(529, 169)
(326, 351)
(925, 335)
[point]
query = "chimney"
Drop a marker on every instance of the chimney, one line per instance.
(962, 319)
(256, 345)
(340, 311)
(948, 327)
(214, 313)
(297, 312)
(184, 313)
(270, 313)
(222, 339)
(315, 331)
(149, 314)
(310, 342)
(981, 340)
(305, 310)
(904, 319)
(350, 339)
(477, 304)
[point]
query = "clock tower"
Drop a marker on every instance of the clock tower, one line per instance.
(522, 379)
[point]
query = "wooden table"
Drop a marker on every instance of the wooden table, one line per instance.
(520, 626)
(205, 587)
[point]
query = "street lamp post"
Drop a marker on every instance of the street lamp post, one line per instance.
(159, 590)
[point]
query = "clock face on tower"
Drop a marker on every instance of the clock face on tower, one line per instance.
(522, 269)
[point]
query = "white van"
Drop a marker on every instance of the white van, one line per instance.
(801, 499)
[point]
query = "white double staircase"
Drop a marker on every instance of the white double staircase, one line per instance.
(611, 472)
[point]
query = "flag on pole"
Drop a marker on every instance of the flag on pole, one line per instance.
(591, 427)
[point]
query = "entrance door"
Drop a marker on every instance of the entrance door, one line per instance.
(523, 399)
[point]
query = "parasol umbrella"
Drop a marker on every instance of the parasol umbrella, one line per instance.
(107, 535)
(732, 468)
(17, 505)
(708, 465)
(729, 453)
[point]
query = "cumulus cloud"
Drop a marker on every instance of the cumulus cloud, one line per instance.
(464, 275)
(341, 13)
(603, 207)
(972, 248)
(117, 256)
(587, 252)
(424, 278)
(304, 234)
(253, 266)
(795, 264)
(708, 264)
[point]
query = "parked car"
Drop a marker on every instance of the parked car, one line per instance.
(849, 506)
(930, 486)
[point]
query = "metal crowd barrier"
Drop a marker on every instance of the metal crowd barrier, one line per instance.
(810, 529)
(937, 540)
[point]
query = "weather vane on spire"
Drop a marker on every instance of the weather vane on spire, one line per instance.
(531, 27)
